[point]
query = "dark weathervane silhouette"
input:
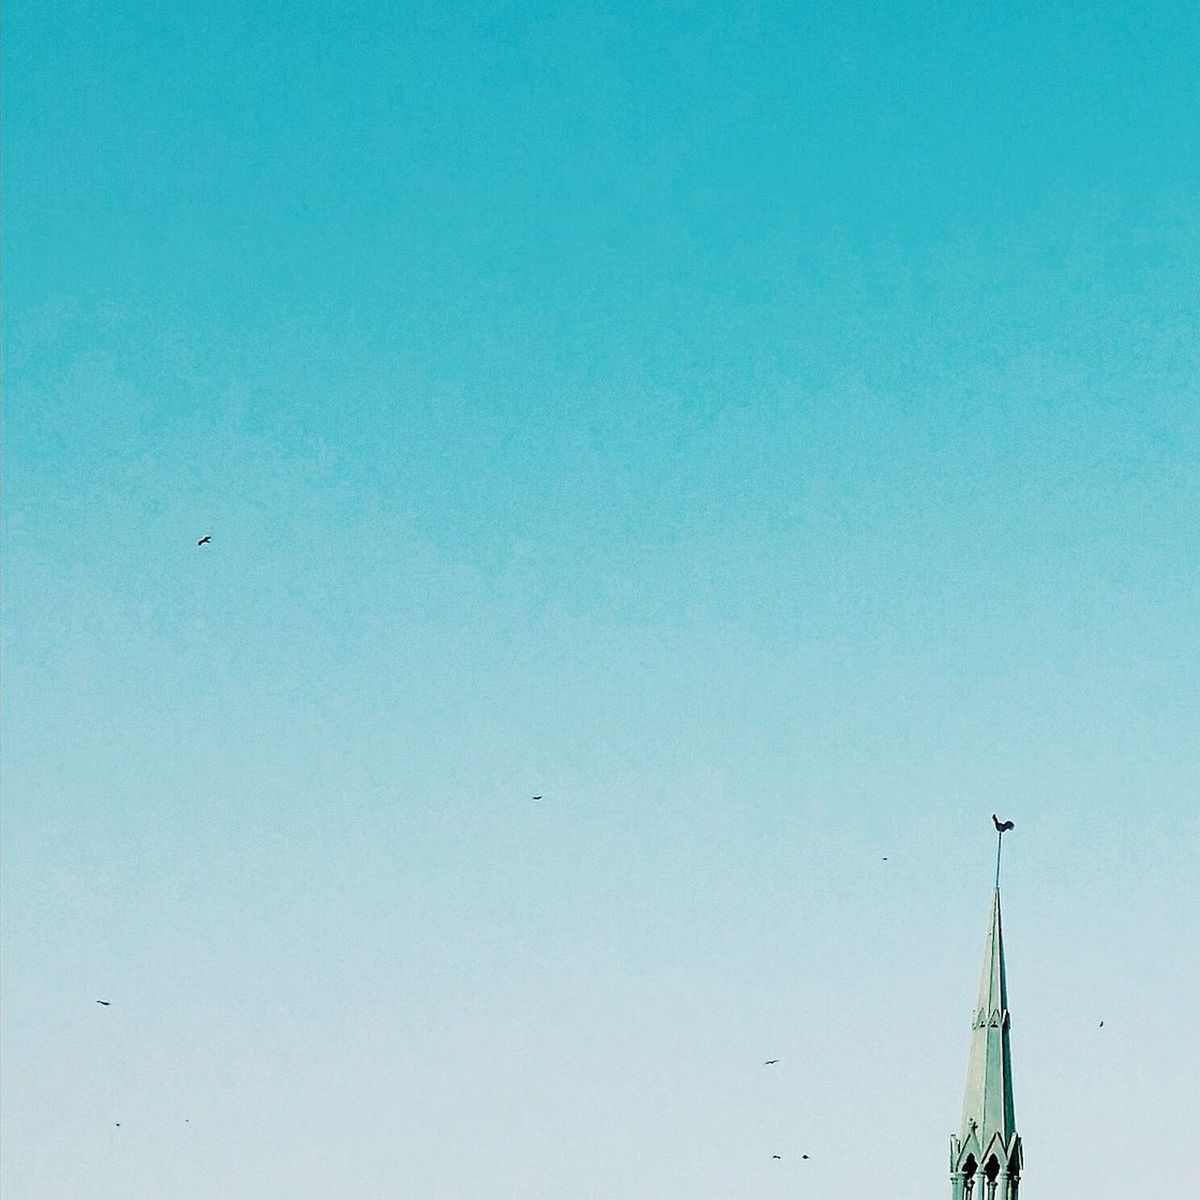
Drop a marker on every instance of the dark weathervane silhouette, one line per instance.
(1002, 827)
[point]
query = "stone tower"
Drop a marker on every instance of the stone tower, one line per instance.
(985, 1158)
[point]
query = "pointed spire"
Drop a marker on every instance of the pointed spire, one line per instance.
(988, 1100)
(988, 1125)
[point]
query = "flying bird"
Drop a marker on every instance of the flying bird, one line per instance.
(770, 1062)
(106, 1003)
(804, 1156)
(1001, 826)
(537, 797)
(205, 540)
(776, 1155)
(1101, 1024)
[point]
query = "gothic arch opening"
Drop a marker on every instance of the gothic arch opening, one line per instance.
(970, 1167)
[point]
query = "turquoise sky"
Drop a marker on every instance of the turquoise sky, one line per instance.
(771, 432)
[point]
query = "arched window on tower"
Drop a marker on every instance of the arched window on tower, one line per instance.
(990, 1170)
(970, 1170)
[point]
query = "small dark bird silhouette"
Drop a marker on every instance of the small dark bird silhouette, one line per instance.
(117, 1124)
(804, 1156)
(1101, 1024)
(1001, 826)
(776, 1155)
(885, 858)
(205, 540)
(106, 1003)
(537, 797)
(770, 1062)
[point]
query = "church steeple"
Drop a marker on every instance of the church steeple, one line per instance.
(985, 1157)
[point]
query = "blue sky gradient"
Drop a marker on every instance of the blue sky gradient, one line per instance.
(773, 435)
